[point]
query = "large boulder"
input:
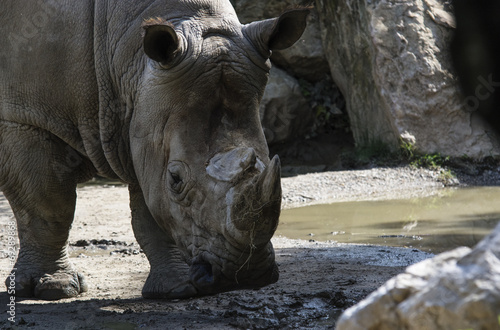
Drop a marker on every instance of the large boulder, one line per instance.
(459, 289)
(305, 59)
(284, 112)
(256, 10)
(391, 61)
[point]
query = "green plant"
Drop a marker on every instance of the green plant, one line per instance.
(322, 112)
(375, 152)
(407, 149)
(410, 153)
(431, 161)
(447, 177)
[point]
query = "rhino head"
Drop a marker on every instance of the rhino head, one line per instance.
(198, 147)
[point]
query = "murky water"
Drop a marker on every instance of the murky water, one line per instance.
(454, 217)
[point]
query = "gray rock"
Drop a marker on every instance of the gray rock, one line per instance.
(391, 61)
(459, 289)
(306, 58)
(255, 10)
(284, 112)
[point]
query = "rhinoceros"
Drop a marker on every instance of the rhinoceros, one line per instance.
(162, 95)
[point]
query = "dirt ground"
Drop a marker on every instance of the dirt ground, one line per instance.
(317, 280)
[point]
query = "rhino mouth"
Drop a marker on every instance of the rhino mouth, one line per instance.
(210, 278)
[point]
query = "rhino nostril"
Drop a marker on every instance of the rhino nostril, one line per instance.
(201, 274)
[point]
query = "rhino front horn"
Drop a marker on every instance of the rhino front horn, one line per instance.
(257, 208)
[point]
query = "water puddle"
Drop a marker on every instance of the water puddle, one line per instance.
(454, 217)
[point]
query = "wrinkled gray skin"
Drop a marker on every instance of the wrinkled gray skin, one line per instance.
(167, 105)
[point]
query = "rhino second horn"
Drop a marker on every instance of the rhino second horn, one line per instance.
(270, 181)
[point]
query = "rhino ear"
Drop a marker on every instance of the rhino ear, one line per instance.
(281, 32)
(161, 42)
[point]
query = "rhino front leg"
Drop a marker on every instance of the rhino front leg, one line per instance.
(37, 178)
(169, 273)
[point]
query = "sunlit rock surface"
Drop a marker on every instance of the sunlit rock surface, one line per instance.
(458, 289)
(391, 61)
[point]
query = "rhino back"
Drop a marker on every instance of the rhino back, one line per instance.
(73, 69)
(47, 76)
(50, 77)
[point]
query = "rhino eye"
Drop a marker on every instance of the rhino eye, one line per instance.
(175, 181)
(177, 176)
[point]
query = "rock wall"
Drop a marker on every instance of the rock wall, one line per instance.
(392, 63)
(350, 55)
(254, 10)
(305, 59)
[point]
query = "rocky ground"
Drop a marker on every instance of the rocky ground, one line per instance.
(317, 281)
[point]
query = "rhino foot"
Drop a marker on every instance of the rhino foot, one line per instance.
(159, 286)
(60, 285)
(55, 286)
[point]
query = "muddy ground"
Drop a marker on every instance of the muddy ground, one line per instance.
(317, 280)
